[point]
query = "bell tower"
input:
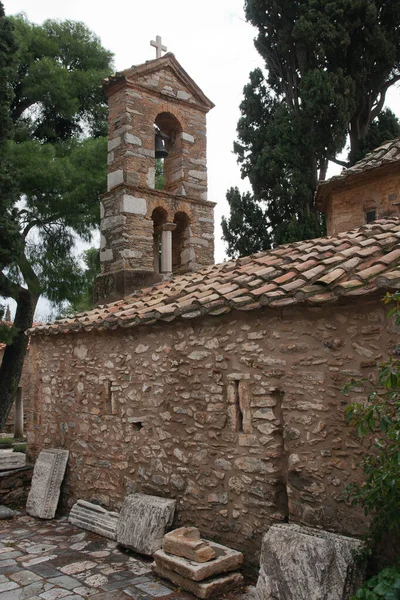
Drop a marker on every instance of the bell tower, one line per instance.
(154, 226)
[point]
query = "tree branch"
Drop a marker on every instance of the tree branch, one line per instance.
(29, 275)
(8, 288)
(342, 163)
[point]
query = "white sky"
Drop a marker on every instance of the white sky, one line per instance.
(210, 39)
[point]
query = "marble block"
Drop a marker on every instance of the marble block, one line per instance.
(202, 589)
(299, 563)
(225, 560)
(186, 542)
(11, 460)
(94, 518)
(143, 522)
(46, 482)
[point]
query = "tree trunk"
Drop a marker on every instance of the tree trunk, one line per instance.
(14, 354)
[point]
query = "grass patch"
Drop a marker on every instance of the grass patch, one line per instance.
(20, 447)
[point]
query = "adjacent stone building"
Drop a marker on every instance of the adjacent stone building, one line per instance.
(369, 190)
(220, 385)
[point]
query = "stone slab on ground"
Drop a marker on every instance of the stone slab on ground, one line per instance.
(300, 563)
(46, 482)
(11, 460)
(226, 560)
(94, 518)
(143, 522)
(209, 588)
(186, 542)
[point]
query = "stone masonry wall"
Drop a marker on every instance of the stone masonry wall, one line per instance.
(347, 206)
(241, 417)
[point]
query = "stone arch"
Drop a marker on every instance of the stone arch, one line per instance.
(181, 255)
(159, 217)
(173, 163)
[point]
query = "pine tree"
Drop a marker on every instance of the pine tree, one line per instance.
(328, 66)
(57, 162)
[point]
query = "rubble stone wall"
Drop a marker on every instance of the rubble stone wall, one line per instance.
(239, 417)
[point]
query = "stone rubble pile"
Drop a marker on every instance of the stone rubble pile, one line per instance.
(204, 568)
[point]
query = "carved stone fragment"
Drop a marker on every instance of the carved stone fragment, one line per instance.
(202, 589)
(226, 560)
(299, 563)
(94, 518)
(143, 522)
(11, 460)
(186, 542)
(46, 482)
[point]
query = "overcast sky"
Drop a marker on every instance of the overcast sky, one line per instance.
(210, 39)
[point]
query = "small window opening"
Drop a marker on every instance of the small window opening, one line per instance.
(239, 410)
(137, 426)
(180, 236)
(239, 413)
(370, 216)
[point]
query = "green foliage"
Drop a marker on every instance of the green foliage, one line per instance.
(328, 66)
(55, 154)
(377, 420)
(385, 127)
(84, 300)
(385, 585)
(19, 447)
(159, 176)
(246, 230)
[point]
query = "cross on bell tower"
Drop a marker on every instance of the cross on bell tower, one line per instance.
(158, 46)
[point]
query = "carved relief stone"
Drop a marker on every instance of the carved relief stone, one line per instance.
(143, 522)
(94, 518)
(46, 482)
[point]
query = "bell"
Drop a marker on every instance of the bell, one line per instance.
(161, 152)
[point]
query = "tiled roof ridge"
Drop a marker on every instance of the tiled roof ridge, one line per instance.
(388, 152)
(311, 272)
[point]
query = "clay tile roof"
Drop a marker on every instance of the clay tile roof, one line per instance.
(366, 259)
(386, 154)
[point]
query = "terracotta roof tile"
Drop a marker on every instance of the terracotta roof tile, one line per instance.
(313, 272)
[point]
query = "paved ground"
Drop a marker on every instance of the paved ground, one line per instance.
(47, 560)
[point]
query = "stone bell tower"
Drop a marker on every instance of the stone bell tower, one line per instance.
(149, 234)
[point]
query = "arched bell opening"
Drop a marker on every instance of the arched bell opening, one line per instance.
(168, 152)
(180, 236)
(159, 218)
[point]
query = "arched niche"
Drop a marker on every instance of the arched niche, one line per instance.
(159, 218)
(169, 125)
(180, 236)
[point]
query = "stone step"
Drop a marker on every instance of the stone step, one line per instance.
(209, 588)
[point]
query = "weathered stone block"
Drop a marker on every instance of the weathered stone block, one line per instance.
(186, 542)
(11, 460)
(46, 482)
(94, 518)
(225, 560)
(299, 563)
(143, 522)
(202, 589)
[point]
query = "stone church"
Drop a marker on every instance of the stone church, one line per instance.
(216, 384)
